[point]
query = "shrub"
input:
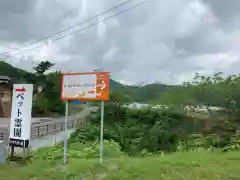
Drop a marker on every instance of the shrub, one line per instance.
(151, 131)
(79, 150)
(138, 129)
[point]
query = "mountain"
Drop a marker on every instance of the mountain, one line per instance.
(139, 93)
(145, 93)
(8, 70)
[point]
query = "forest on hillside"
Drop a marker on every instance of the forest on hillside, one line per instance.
(217, 90)
(149, 131)
(49, 101)
(171, 129)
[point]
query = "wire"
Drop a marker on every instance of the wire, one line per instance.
(13, 49)
(9, 56)
(66, 29)
(3, 45)
(91, 25)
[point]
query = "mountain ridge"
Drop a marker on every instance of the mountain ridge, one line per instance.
(143, 93)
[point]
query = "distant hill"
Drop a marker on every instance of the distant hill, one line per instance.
(139, 93)
(9, 70)
(145, 93)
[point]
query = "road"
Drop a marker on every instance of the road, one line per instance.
(42, 138)
(53, 125)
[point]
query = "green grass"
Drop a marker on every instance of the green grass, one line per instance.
(178, 166)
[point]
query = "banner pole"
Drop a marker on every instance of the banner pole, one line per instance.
(66, 133)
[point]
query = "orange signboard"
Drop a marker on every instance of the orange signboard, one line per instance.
(85, 86)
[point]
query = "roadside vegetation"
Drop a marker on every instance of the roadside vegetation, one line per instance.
(179, 141)
(178, 166)
(139, 144)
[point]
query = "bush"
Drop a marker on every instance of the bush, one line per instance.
(234, 143)
(139, 129)
(142, 132)
(150, 131)
(225, 142)
(80, 150)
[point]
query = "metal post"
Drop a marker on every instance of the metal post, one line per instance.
(12, 152)
(66, 134)
(101, 133)
(24, 152)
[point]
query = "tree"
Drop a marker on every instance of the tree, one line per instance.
(49, 99)
(42, 67)
(118, 99)
(42, 104)
(208, 91)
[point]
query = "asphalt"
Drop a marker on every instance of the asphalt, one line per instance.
(47, 140)
(4, 122)
(36, 122)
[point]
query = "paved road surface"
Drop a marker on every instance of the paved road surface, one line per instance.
(46, 141)
(40, 123)
(54, 137)
(4, 122)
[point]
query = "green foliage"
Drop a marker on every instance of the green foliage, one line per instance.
(42, 67)
(138, 130)
(51, 83)
(233, 144)
(42, 104)
(143, 131)
(208, 91)
(187, 165)
(119, 98)
(225, 142)
(46, 102)
(77, 149)
(8, 70)
(147, 93)
(49, 101)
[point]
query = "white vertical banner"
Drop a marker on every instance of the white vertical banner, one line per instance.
(21, 116)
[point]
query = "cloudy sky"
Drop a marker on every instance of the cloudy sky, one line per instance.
(163, 41)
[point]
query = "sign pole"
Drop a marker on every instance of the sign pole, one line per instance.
(24, 151)
(101, 129)
(90, 86)
(66, 133)
(101, 133)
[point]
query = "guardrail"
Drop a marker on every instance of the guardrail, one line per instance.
(40, 130)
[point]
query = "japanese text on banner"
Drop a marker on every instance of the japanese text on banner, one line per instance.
(18, 119)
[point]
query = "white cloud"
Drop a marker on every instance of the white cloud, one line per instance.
(161, 41)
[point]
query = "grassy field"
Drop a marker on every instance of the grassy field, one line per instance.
(178, 166)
